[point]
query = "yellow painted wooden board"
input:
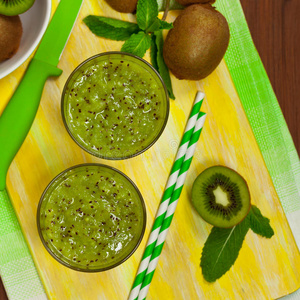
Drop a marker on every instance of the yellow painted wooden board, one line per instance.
(265, 268)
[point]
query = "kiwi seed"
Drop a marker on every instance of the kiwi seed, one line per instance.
(14, 7)
(221, 196)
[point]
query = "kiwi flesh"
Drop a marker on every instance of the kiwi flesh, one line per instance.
(196, 44)
(123, 6)
(10, 36)
(14, 7)
(221, 196)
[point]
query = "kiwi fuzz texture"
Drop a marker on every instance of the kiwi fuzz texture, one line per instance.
(221, 196)
(14, 7)
(10, 36)
(196, 44)
(123, 6)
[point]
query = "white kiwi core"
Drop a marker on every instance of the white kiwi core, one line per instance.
(221, 196)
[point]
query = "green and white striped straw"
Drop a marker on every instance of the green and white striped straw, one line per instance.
(162, 210)
(172, 207)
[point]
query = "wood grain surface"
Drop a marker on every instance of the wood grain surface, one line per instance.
(274, 26)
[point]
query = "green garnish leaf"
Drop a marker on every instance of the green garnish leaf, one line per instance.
(159, 24)
(111, 28)
(137, 44)
(221, 250)
(153, 52)
(138, 37)
(146, 13)
(162, 67)
(165, 25)
(260, 224)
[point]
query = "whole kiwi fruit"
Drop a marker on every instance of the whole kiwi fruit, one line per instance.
(189, 2)
(10, 36)
(123, 6)
(221, 196)
(14, 7)
(196, 44)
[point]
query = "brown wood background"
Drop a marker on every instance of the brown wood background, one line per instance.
(275, 29)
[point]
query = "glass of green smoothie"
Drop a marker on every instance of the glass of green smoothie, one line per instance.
(91, 217)
(115, 105)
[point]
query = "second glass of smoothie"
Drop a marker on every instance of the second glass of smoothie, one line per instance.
(115, 105)
(91, 217)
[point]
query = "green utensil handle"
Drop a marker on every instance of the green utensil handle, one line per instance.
(18, 116)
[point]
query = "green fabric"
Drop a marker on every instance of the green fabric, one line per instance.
(260, 104)
(261, 107)
(264, 115)
(17, 269)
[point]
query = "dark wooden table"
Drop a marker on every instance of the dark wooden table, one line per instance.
(275, 29)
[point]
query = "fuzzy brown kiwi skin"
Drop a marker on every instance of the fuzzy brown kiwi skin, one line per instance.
(190, 2)
(197, 43)
(10, 36)
(123, 6)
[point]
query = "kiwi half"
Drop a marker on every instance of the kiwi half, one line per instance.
(14, 7)
(221, 196)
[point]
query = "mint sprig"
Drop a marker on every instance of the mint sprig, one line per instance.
(147, 33)
(161, 65)
(223, 245)
(137, 44)
(153, 52)
(260, 224)
(221, 250)
(111, 28)
(146, 13)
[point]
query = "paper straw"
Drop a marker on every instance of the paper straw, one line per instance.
(167, 195)
(172, 207)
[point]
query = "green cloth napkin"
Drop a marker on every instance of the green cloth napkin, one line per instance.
(265, 116)
(263, 112)
(17, 269)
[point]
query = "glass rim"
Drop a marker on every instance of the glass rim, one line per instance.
(61, 174)
(125, 54)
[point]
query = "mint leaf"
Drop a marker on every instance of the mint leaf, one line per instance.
(260, 224)
(158, 24)
(153, 52)
(146, 13)
(221, 250)
(137, 44)
(162, 67)
(165, 25)
(111, 28)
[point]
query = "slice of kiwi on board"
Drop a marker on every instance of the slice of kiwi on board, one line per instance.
(221, 196)
(14, 7)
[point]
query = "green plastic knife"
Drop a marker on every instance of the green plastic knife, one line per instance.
(20, 112)
(15, 123)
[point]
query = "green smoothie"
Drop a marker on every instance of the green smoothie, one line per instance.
(91, 217)
(115, 105)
